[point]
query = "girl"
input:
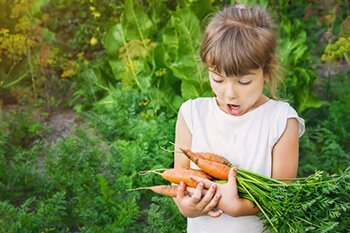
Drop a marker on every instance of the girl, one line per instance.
(241, 123)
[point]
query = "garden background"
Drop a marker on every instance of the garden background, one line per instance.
(89, 91)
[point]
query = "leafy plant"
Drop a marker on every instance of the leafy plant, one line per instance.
(161, 63)
(132, 63)
(340, 49)
(295, 57)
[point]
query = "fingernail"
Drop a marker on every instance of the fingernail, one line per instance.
(213, 186)
(217, 195)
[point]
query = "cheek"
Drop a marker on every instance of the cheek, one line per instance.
(255, 92)
(216, 89)
(247, 93)
(213, 86)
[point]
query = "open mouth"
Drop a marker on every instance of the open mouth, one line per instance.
(234, 109)
(233, 105)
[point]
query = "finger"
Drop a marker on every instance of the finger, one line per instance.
(197, 195)
(207, 197)
(213, 203)
(232, 181)
(190, 191)
(215, 213)
(207, 183)
(181, 190)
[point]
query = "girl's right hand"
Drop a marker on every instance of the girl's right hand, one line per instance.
(197, 203)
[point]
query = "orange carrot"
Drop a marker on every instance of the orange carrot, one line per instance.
(199, 173)
(217, 170)
(215, 158)
(169, 190)
(180, 174)
(176, 175)
(207, 156)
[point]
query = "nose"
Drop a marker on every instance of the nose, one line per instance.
(230, 91)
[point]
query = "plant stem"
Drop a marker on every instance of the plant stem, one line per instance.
(31, 73)
(304, 220)
(257, 203)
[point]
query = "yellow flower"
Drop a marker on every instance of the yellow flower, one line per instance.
(68, 73)
(160, 72)
(96, 14)
(93, 41)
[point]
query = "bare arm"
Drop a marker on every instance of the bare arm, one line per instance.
(285, 154)
(285, 157)
(183, 139)
(198, 203)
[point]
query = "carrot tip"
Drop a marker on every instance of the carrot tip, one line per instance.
(143, 173)
(172, 143)
(164, 149)
(134, 189)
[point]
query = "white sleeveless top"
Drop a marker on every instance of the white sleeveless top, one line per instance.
(246, 141)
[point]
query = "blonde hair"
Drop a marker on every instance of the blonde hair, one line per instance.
(240, 38)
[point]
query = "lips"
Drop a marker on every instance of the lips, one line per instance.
(234, 109)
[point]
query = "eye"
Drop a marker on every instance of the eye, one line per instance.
(216, 80)
(244, 83)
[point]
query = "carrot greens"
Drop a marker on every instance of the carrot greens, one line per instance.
(317, 203)
(312, 204)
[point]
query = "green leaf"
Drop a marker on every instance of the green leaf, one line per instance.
(136, 22)
(113, 41)
(105, 189)
(202, 8)
(117, 66)
(165, 97)
(189, 90)
(94, 76)
(183, 69)
(309, 101)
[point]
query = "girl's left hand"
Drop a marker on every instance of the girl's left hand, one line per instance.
(230, 203)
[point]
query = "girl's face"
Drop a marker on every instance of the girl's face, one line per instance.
(238, 95)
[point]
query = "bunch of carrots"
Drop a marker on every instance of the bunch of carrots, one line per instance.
(313, 204)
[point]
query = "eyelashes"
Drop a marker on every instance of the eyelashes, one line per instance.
(246, 83)
(217, 81)
(241, 83)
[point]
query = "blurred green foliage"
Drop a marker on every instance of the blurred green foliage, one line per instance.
(340, 49)
(125, 67)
